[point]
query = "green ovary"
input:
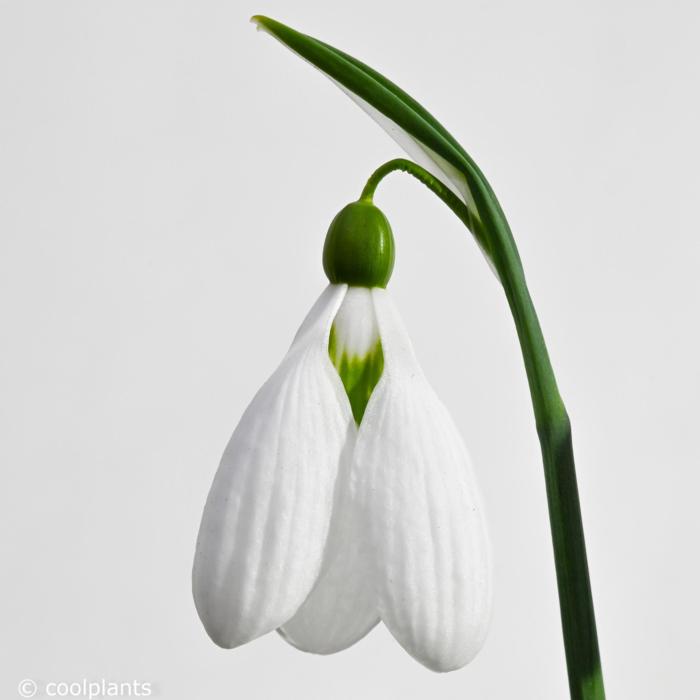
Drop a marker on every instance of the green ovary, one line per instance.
(358, 374)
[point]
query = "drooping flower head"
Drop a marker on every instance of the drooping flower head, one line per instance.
(345, 495)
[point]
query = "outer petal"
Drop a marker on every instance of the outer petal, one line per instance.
(432, 557)
(266, 519)
(342, 607)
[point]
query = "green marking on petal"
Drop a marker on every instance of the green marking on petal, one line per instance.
(359, 374)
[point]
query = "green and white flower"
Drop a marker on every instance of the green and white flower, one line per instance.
(346, 495)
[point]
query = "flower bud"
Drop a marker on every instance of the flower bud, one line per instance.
(359, 247)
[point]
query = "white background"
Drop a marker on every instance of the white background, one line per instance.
(167, 176)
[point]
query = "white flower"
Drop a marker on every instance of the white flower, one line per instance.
(321, 528)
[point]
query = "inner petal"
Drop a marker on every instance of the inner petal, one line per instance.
(355, 348)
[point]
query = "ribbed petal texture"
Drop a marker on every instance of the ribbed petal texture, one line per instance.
(342, 607)
(266, 519)
(426, 528)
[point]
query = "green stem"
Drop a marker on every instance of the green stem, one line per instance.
(553, 428)
(432, 183)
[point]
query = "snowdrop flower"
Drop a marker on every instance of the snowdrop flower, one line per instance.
(345, 495)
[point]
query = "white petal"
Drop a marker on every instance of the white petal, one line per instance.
(266, 519)
(423, 507)
(342, 607)
(356, 330)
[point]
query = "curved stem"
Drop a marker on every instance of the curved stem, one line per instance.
(456, 204)
(553, 428)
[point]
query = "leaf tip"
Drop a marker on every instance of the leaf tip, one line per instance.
(261, 22)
